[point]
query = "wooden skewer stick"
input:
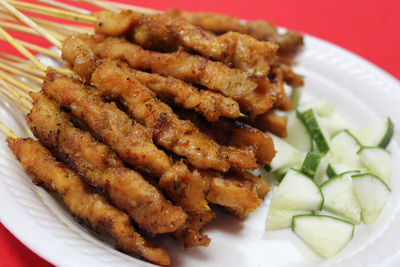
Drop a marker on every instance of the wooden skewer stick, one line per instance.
(131, 7)
(53, 12)
(13, 58)
(66, 29)
(32, 24)
(13, 94)
(15, 82)
(7, 131)
(20, 73)
(22, 49)
(65, 6)
(37, 48)
(23, 66)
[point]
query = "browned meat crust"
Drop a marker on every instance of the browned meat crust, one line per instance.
(288, 42)
(115, 80)
(163, 32)
(101, 168)
(209, 104)
(272, 123)
(181, 65)
(132, 142)
(82, 202)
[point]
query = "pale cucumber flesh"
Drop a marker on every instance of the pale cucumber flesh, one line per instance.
(326, 235)
(378, 161)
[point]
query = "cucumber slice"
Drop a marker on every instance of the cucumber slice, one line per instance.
(372, 194)
(340, 197)
(297, 133)
(297, 192)
(286, 155)
(325, 234)
(344, 148)
(334, 170)
(295, 95)
(333, 124)
(310, 164)
(320, 106)
(279, 219)
(378, 133)
(378, 161)
(313, 125)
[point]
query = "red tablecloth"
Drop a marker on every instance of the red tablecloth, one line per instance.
(369, 28)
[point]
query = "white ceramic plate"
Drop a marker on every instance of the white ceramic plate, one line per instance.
(360, 91)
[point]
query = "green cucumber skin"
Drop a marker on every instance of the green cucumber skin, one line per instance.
(388, 136)
(331, 172)
(310, 164)
(320, 216)
(349, 133)
(355, 176)
(315, 130)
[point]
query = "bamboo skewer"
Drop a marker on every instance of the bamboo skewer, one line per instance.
(23, 66)
(32, 24)
(7, 131)
(54, 12)
(13, 94)
(15, 82)
(101, 5)
(37, 48)
(65, 6)
(14, 58)
(22, 49)
(122, 6)
(20, 73)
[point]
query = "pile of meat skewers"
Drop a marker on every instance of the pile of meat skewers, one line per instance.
(165, 118)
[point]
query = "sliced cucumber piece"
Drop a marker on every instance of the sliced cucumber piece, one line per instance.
(297, 192)
(310, 164)
(344, 148)
(340, 197)
(378, 133)
(286, 155)
(313, 125)
(320, 106)
(372, 194)
(297, 133)
(333, 124)
(325, 234)
(295, 95)
(279, 219)
(334, 170)
(378, 161)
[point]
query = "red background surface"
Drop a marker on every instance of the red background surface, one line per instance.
(370, 29)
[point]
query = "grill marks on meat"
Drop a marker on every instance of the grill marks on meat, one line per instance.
(163, 32)
(191, 68)
(82, 202)
(132, 142)
(288, 42)
(115, 80)
(101, 168)
(209, 104)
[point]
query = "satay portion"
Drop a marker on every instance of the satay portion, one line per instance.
(163, 32)
(254, 96)
(288, 42)
(209, 104)
(132, 142)
(115, 80)
(82, 202)
(101, 168)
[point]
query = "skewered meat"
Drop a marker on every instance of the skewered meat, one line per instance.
(132, 142)
(163, 32)
(257, 97)
(101, 168)
(288, 42)
(82, 202)
(115, 80)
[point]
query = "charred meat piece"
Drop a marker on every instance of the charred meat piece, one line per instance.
(115, 80)
(82, 202)
(163, 32)
(101, 168)
(288, 42)
(132, 142)
(255, 96)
